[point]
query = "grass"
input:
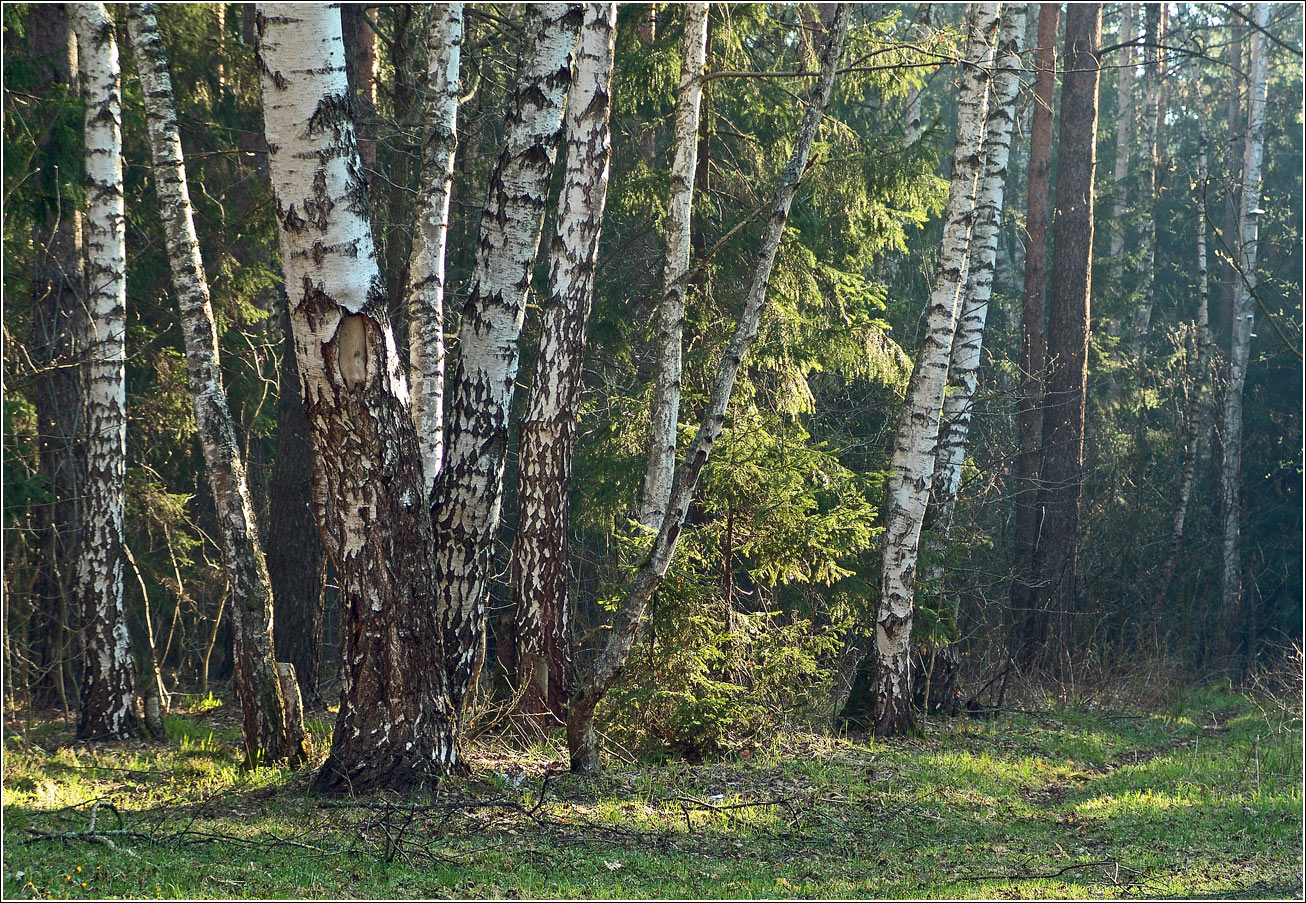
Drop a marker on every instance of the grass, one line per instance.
(1204, 800)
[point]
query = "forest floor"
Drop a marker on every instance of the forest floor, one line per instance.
(1202, 800)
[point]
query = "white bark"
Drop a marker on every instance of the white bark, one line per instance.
(269, 734)
(911, 132)
(581, 740)
(540, 566)
(469, 489)
(1243, 316)
(912, 466)
(426, 266)
(1124, 122)
(108, 681)
(665, 414)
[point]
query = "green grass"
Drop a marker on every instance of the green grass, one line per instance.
(1201, 801)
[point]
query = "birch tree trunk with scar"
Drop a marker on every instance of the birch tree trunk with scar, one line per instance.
(427, 265)
(469, 489)
(582, 742)
(395, 728)
(108, 679)
(912, 467)
(270, 734)
(665, 415)
(541, 560)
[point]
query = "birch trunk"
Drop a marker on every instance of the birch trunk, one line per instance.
(911, 131)
(1150, 137)
(107, 679)
(1200, 411)
(469, 489)
(541, 569)
(426, 266)
(59, 327)
(1068, 336)
(665, 415)
(1243, 317)
(1029, 511)
(967, 344)
(582, 742)
(1128, 37)
(1237, 149)
(912, 467)
(269, 734)
(395, 727)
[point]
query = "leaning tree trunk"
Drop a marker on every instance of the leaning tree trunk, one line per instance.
(1029, 511)
(58, 321)
(444, 41)
(270, 735)
(665, 414)
(396, 727)
(1149, 185)
(1127, 38)
(912, 466)
(1068, 333)
(1243, 316)
(541, 568)
(469, 489)
(582, 743)
(107, 678)
(967, 344)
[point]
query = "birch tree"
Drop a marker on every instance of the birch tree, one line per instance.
(395, 726)
(107, 680)
(1243, 317)
(1149, 189)
(582, 743)
(911, 132)
(430, 238)
(1125, 77)
(273, 729)
(912, 466)
(469, 490)
(665, 415)
(541, 568)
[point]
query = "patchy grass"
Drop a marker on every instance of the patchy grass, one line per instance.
(1201, 801)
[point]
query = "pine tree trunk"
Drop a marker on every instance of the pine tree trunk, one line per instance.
(541, 563)
(108, 681)
(1029, 509)
(582, 742)
(912, 467)
(396, 727)
(1243, 317)
(1149, 186)
(59, 324)
(426, 267)
(1067, 335)
(665, 415)
(1124, 123)
(269, 735)
(469, 489)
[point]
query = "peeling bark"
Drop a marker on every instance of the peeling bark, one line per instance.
(582, 743)
(541, 568)
(664, 417)
(108, 681)
(469, 489)
(270, 735)
(395, 727)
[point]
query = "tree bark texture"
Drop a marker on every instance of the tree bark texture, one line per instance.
(911, 130)
(1243, 320)
(395, 727)
(469, 490)
(582, 742)
(108, 680)
(912, 467)
(1149, 187)
(1067, 334)
(59, 322)
(1237, 148)
(1125, 78)
(426, 270)
(269, 734)
(1029, 508)
(541, 563)
(360, 69)
(665, 414)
